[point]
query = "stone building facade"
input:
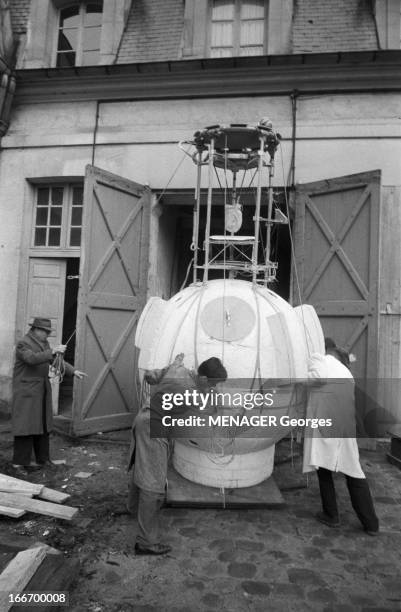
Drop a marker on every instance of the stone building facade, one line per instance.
(117, 84)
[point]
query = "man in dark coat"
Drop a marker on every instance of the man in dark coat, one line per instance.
(32, 413)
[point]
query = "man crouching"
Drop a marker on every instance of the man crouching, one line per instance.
(150, 456)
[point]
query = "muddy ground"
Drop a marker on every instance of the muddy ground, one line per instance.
(234, 560)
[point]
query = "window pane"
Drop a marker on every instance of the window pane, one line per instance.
(57, 196)
(40, 236)
(69, 17)
(75, 236)
(252, 33)
(55, 215)
(41, 215)
(65, 59)
(43, 196)
(252, 50)
(227, 52)
(76, 215)
(223, 9)
(252, 8)
(93, 15)
(54, 236)
(91, 40)
(222, 35)
(90, 58)
(77, 196)
(67, 40)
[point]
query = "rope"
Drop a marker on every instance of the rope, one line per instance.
(187, 274)
(57, 368)
(172, 176)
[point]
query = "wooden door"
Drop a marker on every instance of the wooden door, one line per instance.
(112, 293)
(336, 267)
(46, 289)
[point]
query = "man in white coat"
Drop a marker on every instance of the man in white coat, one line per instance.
(332, 395)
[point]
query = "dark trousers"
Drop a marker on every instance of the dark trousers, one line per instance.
(23, 446)
(145, 505)
(359, 492)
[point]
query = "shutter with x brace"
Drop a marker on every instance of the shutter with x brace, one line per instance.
(113, 283)
(337, 234)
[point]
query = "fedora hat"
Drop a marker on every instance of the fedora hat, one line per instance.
(42, 323)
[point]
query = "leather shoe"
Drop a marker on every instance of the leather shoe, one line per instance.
(372, 532)
(48, 464)
(156, 549)
(24, 469)
(327, 520)
(33, 467)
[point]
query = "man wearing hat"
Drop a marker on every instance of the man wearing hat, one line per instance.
(32, 413)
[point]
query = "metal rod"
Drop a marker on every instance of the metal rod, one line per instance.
(257, 210)
(269, 216)
(195, 235)
(209, 210)
(231, 274)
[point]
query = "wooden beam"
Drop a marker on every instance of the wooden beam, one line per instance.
(36, 505)
(8, 483)
(17, 489)
(54, 496)
(13, 512)
(18, 573)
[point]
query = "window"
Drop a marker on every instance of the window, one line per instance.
(79, 34)
(238, 27)
(58, 216)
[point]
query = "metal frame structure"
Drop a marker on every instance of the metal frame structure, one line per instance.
(235, 148)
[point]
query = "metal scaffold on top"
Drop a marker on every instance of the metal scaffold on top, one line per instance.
(238, 157)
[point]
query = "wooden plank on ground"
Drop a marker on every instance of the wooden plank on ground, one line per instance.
(18, 573)
(12, 512)
(37, 505)
(49, 549)
(24, 485)
(54, 574)
(16, 487)
(184, 493)
(5, 558)
(51, 495)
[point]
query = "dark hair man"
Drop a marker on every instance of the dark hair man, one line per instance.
(150, 455)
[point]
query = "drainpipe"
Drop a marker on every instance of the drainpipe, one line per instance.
(7, 89)
(95, 132)
(291, 178)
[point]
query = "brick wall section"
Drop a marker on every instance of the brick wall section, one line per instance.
(154, 31)
(333, 25)
(19, 10)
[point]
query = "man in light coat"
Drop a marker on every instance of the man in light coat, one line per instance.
(32, 414)
(331, 395)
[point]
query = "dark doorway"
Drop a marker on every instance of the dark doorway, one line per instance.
(175, 239)
(69, 333)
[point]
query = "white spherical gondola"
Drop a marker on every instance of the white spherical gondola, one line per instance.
(257, 335)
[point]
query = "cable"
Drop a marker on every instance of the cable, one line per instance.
(171, 177)
(293, 254)
(187, 274)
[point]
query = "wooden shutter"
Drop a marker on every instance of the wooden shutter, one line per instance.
(113, 283)
(337, 261)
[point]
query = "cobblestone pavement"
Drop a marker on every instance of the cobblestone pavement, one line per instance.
(226, 560)
(265, 560)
